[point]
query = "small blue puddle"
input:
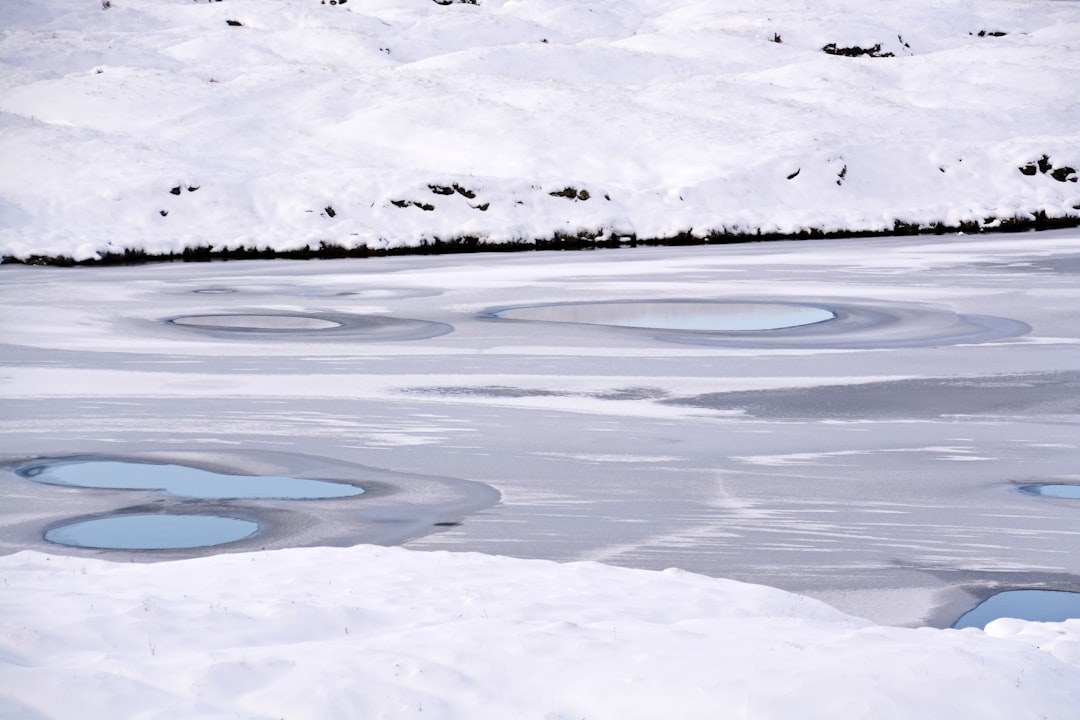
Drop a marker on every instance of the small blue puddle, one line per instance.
(1069, 492)
(152, 532)
(184, 481)
(1035, 605)
(161, 530)
(700, 316)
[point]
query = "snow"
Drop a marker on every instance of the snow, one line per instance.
(313, 124)
(835, 495)
(389, 633)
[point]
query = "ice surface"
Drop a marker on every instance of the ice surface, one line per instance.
(870, 461)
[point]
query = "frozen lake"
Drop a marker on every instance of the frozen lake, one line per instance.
(871, 456)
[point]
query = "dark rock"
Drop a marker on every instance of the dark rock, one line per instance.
(856, 51)
(426, 207)
(571, 193)
(1064, 174)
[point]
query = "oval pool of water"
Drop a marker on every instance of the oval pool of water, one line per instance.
(184, 481)
(1036, 605)
(1069, 492)
(677, 315)
(256, 322)
(152, 532)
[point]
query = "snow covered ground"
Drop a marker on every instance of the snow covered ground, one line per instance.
(160, 125)
(386, 633)
(872, 462)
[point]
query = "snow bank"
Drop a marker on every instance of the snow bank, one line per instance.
(388, 633)
(162, 125)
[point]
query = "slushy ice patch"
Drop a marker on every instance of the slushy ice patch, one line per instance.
(184, 481)
(677, 315)
(152, 532)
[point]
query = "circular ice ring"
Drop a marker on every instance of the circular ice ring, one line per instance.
(854, 325)
(310, 325)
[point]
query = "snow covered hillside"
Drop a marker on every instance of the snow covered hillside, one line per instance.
(164, 125)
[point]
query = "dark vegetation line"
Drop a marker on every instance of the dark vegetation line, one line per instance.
(584, 240)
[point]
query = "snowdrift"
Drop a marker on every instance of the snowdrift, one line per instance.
(389, 633)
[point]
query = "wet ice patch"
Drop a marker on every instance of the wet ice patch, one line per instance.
(184, 481)
(152, 532)
(677, 315)
(1069, 492)
(1033, 605)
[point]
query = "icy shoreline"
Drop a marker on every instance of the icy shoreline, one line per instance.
(585, 241)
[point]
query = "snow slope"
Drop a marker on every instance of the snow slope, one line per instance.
(158, 125)
(390, 633)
